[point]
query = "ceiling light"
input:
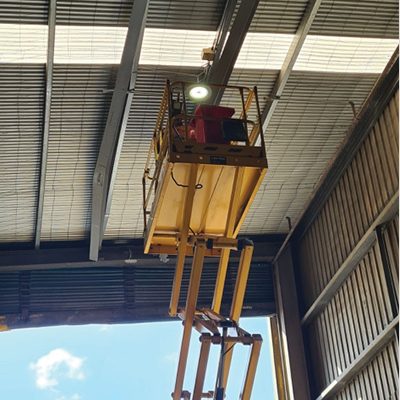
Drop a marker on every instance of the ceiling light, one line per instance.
(199, 92)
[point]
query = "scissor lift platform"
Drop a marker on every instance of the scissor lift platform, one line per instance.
(201, 188)
(203, 170)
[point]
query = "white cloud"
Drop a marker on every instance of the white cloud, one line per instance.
(57, 364)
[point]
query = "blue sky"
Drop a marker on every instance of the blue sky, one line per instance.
(115, 362)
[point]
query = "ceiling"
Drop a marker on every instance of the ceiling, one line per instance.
(348, 45)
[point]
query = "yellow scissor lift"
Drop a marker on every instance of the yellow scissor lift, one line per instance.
(203, 170)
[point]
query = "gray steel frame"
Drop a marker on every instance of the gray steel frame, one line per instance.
(290, 60)
(291, 333)
(113, 255)
(46, 120)
(222, 67)
(108, 158)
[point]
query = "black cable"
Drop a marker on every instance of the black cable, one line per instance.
(197, 186)
(227, 351)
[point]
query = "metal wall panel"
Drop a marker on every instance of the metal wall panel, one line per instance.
(364, 18)
(379, 380)
(352, 320)
(361, 309)
(391, 236)
(363, 191)
(21, 127)
(79, 107)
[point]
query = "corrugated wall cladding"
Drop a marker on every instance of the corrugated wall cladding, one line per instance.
(379, 380)
(391, 236)
(361, 309)
(366, 187)
(21, 127)
(172, 14)
(308, 125)
(351, 321)
(24, 11)
(98, 289)
(79, 110)
(364, 18)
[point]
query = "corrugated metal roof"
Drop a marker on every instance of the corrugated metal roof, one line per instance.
(174, 14)
(308, 125)
(24, 11)
(278, 16)
(21, 121)
(79, 110)
(364, 18)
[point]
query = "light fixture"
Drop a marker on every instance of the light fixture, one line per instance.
(199, 92)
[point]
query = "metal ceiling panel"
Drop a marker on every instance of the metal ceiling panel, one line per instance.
(364, 18)
(278, 16)
(21, 125)
(174, 14)
(307, 127)
(24, 11)
(263, 79)
(78, 114)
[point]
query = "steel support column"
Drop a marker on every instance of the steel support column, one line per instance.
(46, 120)
(107, 161)
(291, 333)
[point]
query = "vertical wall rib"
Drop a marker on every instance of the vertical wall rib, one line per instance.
(360, 310)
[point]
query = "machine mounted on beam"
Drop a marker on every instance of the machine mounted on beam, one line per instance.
(203, 170)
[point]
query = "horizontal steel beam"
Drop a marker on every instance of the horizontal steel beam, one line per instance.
(352, 260)
(222, 68)
(361, 361)
(223, 28)
(148, 313)
(115, 255)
